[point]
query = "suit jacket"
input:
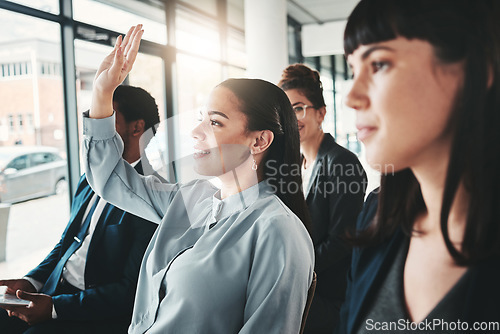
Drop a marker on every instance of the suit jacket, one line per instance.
(334, 198)
(112, 266)
(370, 263)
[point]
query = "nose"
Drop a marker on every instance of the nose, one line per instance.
(357, 98)
(198, 132)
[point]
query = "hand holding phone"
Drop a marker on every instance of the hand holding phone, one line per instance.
(12, 300)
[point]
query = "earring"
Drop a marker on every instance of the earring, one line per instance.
(254, 165)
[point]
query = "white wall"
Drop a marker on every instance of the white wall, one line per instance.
(324, 39)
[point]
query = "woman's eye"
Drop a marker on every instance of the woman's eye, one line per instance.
(379, 65)
(215, 123)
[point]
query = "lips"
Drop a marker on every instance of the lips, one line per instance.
(198, 154)
(365, 131)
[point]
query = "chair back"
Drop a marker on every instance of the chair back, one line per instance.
(310, 295)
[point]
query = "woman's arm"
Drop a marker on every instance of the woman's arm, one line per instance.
(109, 175)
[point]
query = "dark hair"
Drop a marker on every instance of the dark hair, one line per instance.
(267, 107)
(301, 77)
(459, 30)
(135, 103)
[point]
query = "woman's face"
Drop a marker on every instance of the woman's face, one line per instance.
(309, 126)
(222, 142)
(403, 99)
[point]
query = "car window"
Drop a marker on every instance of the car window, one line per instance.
(41, 158)
(19, 162)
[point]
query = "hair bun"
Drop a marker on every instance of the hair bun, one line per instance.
(300, 75)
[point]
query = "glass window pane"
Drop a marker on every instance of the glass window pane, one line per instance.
(236, 13)
(31, 100)
(196, 35)
(235, 72)
(99, 14)
(88, 56)
(208, 6)
(236, 52)
(50, 6)
(292, 48)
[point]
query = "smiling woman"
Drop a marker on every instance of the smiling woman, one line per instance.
(333, 182)
(221, 260)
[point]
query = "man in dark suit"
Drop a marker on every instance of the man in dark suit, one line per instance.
(87, 283)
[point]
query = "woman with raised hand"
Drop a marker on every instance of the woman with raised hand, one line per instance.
(334, 183)
(426, 90)
(232, 260)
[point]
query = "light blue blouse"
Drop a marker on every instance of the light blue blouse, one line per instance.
(238, 265)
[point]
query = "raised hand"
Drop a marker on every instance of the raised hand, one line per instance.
(113, 70)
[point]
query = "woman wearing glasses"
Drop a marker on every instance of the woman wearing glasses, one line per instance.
(334, 186)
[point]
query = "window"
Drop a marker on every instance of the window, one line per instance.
(19, 163)
(197, 35)
(42, 158)
(26, 43)
(11, 122)
(51, 6)
(99, 14)
(29, 122)
(20, 122)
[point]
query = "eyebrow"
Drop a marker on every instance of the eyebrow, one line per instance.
(367, 53)
(375, 48)
(293, 105)
(213, 112)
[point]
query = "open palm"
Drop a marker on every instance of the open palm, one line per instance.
(118, 64)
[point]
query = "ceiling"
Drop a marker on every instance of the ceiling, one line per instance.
(320, 11)
(303, 11)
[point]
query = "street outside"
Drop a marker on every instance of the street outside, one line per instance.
(34, 228)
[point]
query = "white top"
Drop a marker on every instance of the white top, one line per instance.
(306, 177)
(249, 273)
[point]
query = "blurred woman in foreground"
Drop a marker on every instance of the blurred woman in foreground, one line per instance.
(426, 92)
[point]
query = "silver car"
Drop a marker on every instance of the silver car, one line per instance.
(28, 172)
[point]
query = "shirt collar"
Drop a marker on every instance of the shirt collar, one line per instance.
(238, 202)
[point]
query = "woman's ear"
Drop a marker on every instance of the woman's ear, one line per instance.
(321, 112)
(262, 140)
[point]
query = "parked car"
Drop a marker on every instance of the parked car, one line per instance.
(28, 172)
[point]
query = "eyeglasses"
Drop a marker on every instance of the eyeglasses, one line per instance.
(300, 111)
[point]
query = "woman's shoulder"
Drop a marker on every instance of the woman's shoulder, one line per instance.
(336, 154)
(279, 228)
(275, 216)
